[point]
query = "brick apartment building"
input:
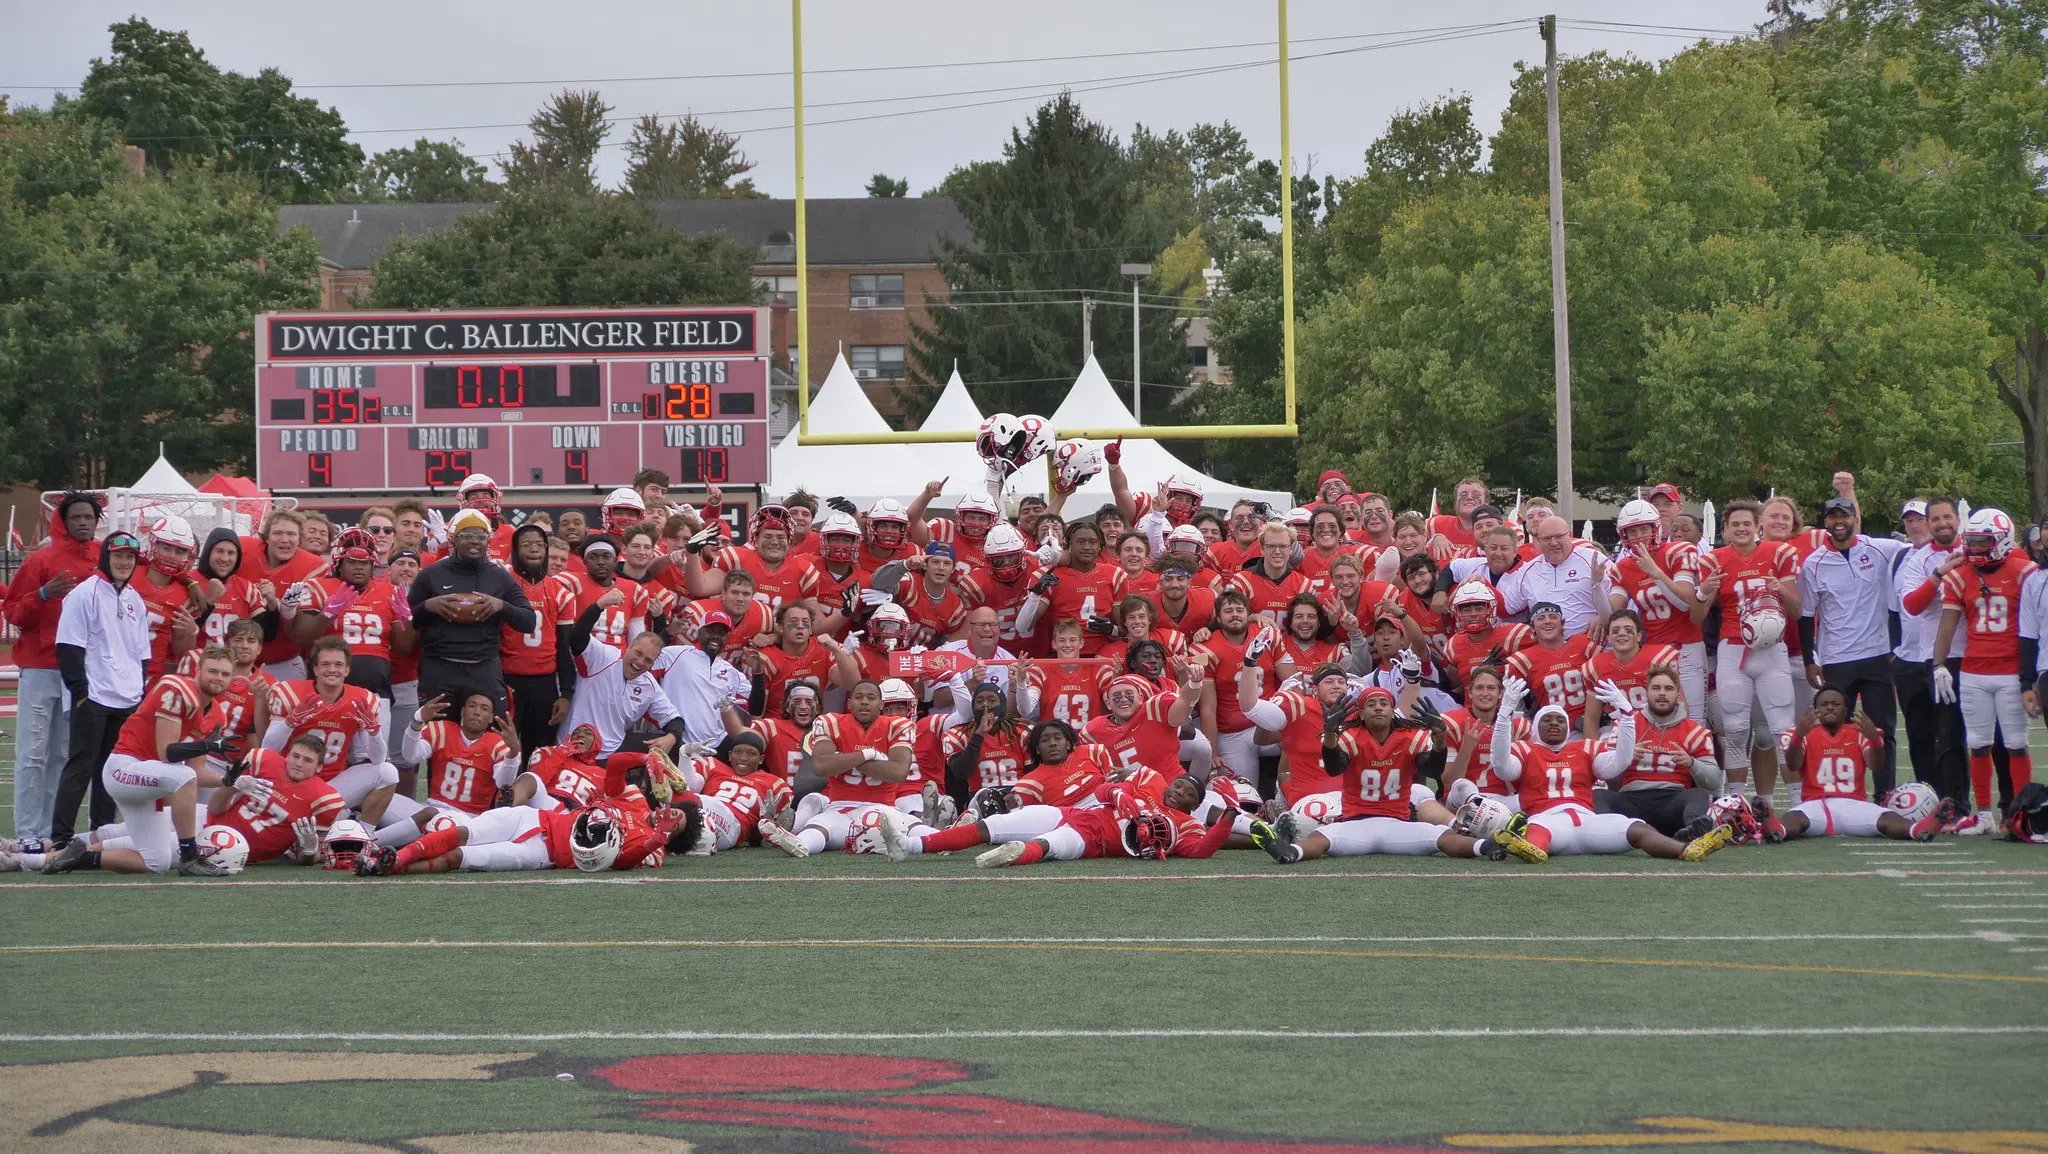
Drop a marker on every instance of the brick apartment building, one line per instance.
(872, 265)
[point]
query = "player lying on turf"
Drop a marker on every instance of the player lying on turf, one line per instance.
(289, 814)
(614, 834)
(1378, 760)
(1555, 775)
(1830, 755)
(1145, 790)
(733, 788)
(1126, 829)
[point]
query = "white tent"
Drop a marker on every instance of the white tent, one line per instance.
(1092, 404)
(860, 473)
(962, 467)
(163, 491)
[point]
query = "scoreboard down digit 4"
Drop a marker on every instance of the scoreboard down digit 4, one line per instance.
(537, 399)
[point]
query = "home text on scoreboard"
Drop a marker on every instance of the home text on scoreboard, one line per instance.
(536, 398)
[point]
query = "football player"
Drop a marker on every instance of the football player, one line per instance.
(1480, 637)
(363, 610)
(1627, 663)
(468, 759)
(1086, 586)
(1981, 583)
(1140, 726)
(736, 792)
(1004, 583)
(1468, 735)
(1061, 688)
(1239, 641)
(1673, 777)
(539, 670)
(610, 835)
(288, 822)
(1757, 585)
(862, 754)
(1661, 578)
(346, 719)
(1555, 666)
(173, 595)
(1832, 756)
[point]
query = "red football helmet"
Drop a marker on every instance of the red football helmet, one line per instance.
(480, 493)
(839, 538)
(353, 545)
(1149, 835)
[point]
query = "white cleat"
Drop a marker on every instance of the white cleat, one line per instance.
(1004, 854)
(895, 841)
(8, 863)
(1976, 825)
(783, 840)
(939, 809)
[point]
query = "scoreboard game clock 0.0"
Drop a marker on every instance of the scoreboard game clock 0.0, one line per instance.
(534, 398)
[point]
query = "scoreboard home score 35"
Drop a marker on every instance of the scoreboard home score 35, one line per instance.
(534, 398)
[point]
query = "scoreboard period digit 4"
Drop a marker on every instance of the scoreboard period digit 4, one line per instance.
(535, 398)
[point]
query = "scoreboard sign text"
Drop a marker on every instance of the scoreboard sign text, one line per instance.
(535, 398)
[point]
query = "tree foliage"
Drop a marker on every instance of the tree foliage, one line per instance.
(686, 159)
(885, 186)
(426, 172)
(567, 132)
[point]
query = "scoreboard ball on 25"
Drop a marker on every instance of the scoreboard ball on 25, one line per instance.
(535, 398)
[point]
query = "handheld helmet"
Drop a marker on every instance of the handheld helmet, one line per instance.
(1474, 592)
(1481, 816)
(999, 438)
(1004, 548)
(595, 839)
(975, 515)
(169, 547)
(888, 627)
(346, 840)
(1637, 514)
(839, 538)
(1149, 835)
(1763, 619)
(480, 493)
(622, 510)
(1079, 463)
(1183, 498)
(1987, 537)
(888, 524)
(1314, 812)
(225, 846)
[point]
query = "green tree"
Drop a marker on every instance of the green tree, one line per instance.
(883, 185)
(1054, 218)
(1424, 152)
(686, 159)
(548, 247)
(427, 172)
(125, 307)
(567, 132)
(158, 91)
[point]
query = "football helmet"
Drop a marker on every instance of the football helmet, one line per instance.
(1186, 539)
(1313, 812)
(1763, 619)
(1733, 810)
(595, 839)
(994, 443)
(1004, 548)
(975, 515)
(1079, 463)
(839, 538)
(1183, 498)
(1987, 537)
(1474, 592)
(896, 691)
(346, 840)
(225, 846)
(622, 510)
(1913, 800)
(1148, 835)
(169, 547)
(888, 627)
(480, 493)
(888, 524)
(864, 832)
(353, 545)
(1637, 514)
(1481, 815)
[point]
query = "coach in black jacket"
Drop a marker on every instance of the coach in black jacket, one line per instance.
(459, 637)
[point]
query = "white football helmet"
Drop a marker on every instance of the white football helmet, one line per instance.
(982, 505)
(1299, 517)
(1634, 515)
(1183, 498)
(1079, 463)
(846, 548)
(345, 840)
(1315, 811)
(888, 626)
(1186, 539)
(1913, 800)
(225, 846)
(888, 524)
(1987, 537)
(595, 840)
(1037, 439)
(1763, 620)
(622, 510)
(169, 546)
(1004, 548)
(480, 493)
(1000, 437)
(1482, 815)
(896, 691)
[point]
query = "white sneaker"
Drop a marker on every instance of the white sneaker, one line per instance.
(1977, 824)
(895, 841)
(783, 840)
(939, 810)
(1004, 854)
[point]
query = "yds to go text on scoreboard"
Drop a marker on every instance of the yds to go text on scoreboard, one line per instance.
(533, 398)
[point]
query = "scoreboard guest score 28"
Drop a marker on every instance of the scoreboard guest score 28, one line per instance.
(533, 398)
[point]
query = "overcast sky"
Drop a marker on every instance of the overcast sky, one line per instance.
(678, 56)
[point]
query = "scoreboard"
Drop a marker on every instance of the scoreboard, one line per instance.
(533, 398)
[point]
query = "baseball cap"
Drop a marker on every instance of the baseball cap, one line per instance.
(1917, 507)
(939, 549)
(715, 617)
(1666, 490)
(1492, 511)
(1837, 505)
(118, 541)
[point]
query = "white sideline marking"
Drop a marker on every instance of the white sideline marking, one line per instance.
(1968, 884)
(1006, 1035)
(2005, 921)
(1983, 907)
(713, 943)
(885, 877)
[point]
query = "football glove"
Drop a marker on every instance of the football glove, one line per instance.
(842, 505)
(1257, 649)
(1611, 696)
(1427, 713)
(1337, 716)
(338, 602)
(1114, 452)
(1101, 626)
(1410, 665)
(1513, 691)
(305, 838)
(1045, 583)
(255, 788)
(1944, 685)
(703, 538)
(873, 598)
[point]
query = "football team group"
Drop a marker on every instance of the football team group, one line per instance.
(1153, 679)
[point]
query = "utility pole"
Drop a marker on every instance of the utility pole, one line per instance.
(1087, 328)
(1137, 273)
(1560, 318)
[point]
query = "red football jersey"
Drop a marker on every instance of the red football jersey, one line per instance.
(1989, 600)
(1631, 676)
(785, 740)
(613, 624)
(980, 588)
(928, 751)
(1556, 676)
(1068, 782)
(1145, 740)
(1306, 657)
(368, 622)
(1451, 528)
(1002, 754)
(238, 704)
(1658, 749)
(299, 705)
(1435, 626)
(1226, 658)
(812, 667)
(570, 779)
(238, 601)
(1301, 739)
(1553, 778)
(296, 568)
(1069, 693)
(172, 697)
(642, 843)
(1741, 574)
(460, 771)
(1269, 598)
(1377, 773)
(532, 654)
(847, 735)
(932, 619)
(1665, 622)
(1834, 762)
(163, 603)
(1468, 651)
(967, 551)
(1198, 614)
(1461, 728)
(750, 624)
(794, 579)
(267, 825)
(1080, 596)
(743, 795)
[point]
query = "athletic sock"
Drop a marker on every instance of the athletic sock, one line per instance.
(2021, 767)
(427, 847)
(188, 849)
(1538, 836)
(1980, 778)
(91, 860)
(813, 838)
(946, 840)
(1034, 851)
(1294, 854)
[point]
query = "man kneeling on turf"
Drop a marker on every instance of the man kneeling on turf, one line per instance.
(1554, 777)
(1831, 756)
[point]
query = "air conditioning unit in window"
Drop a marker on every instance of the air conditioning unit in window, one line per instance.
(866, 302)
(866, 374)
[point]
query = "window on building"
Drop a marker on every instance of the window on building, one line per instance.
(1200, 353)
(877, 291)
(870, 362)
(777, 288)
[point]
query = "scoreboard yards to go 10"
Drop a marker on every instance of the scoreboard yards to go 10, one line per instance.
(534, 398)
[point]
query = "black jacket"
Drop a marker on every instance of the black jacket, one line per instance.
(451, 641)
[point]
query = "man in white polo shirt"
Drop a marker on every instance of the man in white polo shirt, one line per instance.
(1575, 580)
(1845, 607)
